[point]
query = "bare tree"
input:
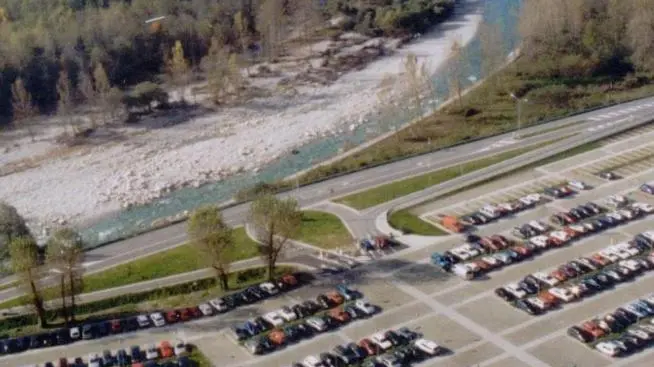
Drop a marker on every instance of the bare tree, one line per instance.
(24, 110)
(640, 32)
(217, 66)
(65, 98)
(178, 68)
(272, 24)
(414, 82)
(455, 72)
(24, 254)
(65, 252)
(492, 48)
(88, 94)
(103, 92)
(242, 30)
(214, 239)
(275, 221)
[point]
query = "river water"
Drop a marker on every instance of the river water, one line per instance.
(502, 13)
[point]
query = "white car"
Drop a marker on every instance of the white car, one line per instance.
(539, 226)
(287, 314)
(621, 252)
(546, 278)
(74, 333)
(95, 363)
(219, 304)
(143, 321)
(274, 318)
(428, 346)
(640, 334)
(609, 255)
(539, 241)
(579, 185)
(365, 306)
(151, 353)
(615, 201)
(515, 290)
(317, 324)
(560, 235)
(158, 319)
(312, 361)
(93, 357)
(491, 261)
(269, 288)
(628, 214)
(381, 341)
(631, 264)
(563, 294)
(609, 348)
(180, 348)
(587, 263)
(624, 246)
(205, 309)
(644, 207)
(538, 303)
(635, 310)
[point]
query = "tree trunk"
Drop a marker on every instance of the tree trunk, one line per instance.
(64, 309)
(73, 291)
(37, 302)
(224, 281)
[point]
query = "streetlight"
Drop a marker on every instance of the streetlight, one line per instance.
(519, 101)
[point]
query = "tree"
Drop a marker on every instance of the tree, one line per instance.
(271, 24)
(640, 31)
(217, 66)
(242, 30)
(144, 94)
(178, 68)
(21, 102)
(455, 72)
(12, 226)
(87, 94)
(236, 80)
(65, 98)
(414, 82)
(214, 239)
(103, 92)
(64, 254)
(24, 255)
(275, 221)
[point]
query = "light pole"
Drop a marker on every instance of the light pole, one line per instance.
(519, 101)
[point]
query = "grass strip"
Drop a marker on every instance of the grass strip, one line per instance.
(125, 304)
(409, 223)
(396, 189)
(198, 358)
(324, 230)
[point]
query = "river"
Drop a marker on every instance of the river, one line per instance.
(502, 13)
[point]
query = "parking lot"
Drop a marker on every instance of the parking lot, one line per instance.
(466, 317)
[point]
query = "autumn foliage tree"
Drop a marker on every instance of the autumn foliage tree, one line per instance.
(178, 68)
(64, 254)
(24, 255)
(24, 110)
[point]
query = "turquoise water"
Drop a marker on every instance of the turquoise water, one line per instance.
(500, 12)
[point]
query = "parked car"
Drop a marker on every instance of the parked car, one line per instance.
(157, 319)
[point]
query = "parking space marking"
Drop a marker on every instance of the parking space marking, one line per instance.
(471, 325)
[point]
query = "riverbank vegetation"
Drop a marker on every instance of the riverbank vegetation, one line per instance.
(55, 55)
(575, 55)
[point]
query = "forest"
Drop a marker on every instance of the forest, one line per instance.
(107, 46)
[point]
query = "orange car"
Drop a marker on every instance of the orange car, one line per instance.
(483, 265)
(558, 274)
(335, 297)
(277, 337)
(289, 280)
(370, 347)
(340, 315)
(548, 299)
(522, 250)
(593, 328)
(600, 259)
(166, 350)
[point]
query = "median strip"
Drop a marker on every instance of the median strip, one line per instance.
(394, 190)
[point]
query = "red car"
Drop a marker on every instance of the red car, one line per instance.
(116, 327)
(171, 317)
(370, 347)
(195, 312)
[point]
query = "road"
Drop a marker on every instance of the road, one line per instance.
(584, 126)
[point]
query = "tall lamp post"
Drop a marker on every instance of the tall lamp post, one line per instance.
(519, 101)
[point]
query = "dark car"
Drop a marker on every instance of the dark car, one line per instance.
(323, 301)
(121, 358)
(580, 334)
(608, 175)
(527, 307)
(407, 334)
(359, 352)
(130, 324)
(103, 328)
(647, 188)
(135, 353)
(107, 358)
(311, 306)
(527, 287)
(629, 317)
(62, 337)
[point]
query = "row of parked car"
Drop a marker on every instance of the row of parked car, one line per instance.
(164, 355)
(391, 348)
(620, 332)
(101, 329)
(300, 321)
(542, 291)
(489, 212)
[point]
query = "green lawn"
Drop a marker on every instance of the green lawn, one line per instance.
(323, 230)
(393, 190)
(409, 223)
(178, 260)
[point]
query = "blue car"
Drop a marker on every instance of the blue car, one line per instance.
(647, 188)
(346, 292)
(135, 353)
(441, 261)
